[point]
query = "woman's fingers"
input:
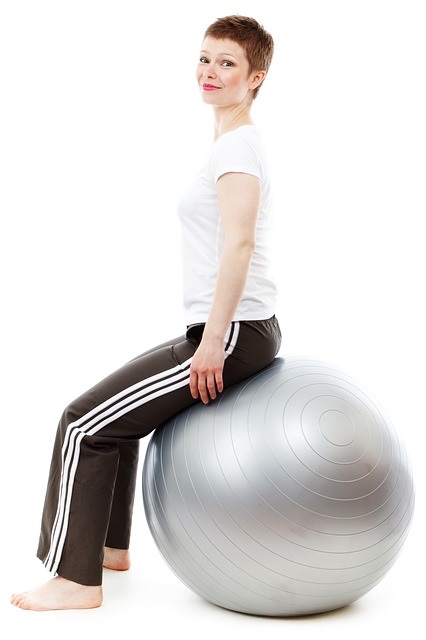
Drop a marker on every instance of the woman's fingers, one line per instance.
(205, 387)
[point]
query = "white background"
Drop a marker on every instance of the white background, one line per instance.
(101, 128)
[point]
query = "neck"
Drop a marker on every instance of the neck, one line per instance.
(227, 120)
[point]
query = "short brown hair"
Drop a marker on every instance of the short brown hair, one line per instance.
(257, 43)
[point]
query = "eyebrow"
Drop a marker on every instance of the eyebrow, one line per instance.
(230, 55)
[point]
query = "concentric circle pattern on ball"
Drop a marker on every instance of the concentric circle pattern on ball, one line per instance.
(292, 494)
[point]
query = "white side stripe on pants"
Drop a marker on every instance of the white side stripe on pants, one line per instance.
(118, 405)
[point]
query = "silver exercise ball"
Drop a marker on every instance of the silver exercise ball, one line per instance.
(290, 495)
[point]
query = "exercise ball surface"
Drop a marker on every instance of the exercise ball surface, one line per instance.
(291, 494)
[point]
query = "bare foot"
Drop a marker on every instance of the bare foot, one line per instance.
(116, 559)
(59, 593)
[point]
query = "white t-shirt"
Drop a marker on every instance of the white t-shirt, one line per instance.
(238, 151)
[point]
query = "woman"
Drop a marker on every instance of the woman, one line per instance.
(232, 332)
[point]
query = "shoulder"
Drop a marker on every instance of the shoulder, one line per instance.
(246, 135)
(239, 150)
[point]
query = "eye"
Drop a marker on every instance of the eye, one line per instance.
(227, 64)
(204, 60)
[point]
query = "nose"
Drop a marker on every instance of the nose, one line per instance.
(208, 71)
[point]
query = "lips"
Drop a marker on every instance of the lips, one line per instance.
(209, 87)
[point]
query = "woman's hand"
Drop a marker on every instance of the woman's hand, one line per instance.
(206, 379)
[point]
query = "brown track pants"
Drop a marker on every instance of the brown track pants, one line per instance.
(91, 486)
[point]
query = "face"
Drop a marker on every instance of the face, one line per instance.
(223, 73)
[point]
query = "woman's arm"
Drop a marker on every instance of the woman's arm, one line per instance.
(239, 201)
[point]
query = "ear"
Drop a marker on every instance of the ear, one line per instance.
(256, 79)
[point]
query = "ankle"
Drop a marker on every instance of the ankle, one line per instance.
(116, 559)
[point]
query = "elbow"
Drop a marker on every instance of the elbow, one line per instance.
(244, 246)
(248, 247)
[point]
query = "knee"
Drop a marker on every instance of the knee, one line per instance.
(76, 410)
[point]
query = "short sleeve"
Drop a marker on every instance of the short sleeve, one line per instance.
(235, 152)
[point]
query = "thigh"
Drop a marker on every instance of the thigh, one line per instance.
(139, 396)
(168, 343)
